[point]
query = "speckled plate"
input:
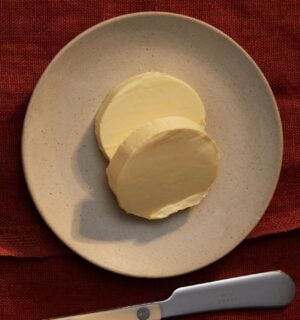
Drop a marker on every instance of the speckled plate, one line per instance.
(65, 171)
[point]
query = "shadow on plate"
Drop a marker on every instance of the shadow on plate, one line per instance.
(99, 217)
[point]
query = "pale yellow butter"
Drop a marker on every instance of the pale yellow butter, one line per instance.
(140, 99)
(165, 166)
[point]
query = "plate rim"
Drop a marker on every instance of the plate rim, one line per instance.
(112, 21)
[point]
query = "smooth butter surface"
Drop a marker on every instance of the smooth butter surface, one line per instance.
(165, 166)
(140, 99)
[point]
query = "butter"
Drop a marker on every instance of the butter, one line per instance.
(140, 99)
(166, 165)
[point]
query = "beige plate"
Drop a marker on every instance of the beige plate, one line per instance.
(65, 171)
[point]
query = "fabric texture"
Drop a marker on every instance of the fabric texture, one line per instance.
(50, 287)
(33, 262)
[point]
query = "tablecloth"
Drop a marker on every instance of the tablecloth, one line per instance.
(39, 276)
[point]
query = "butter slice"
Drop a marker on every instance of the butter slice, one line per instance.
(140, 99)
(165, 166)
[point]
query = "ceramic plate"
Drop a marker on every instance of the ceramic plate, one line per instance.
(65, 171)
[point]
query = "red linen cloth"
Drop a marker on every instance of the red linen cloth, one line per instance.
(31, 33)
(42, 288)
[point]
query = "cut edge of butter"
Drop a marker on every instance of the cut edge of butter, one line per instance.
(108, 149)
(152, 132)
(178, 206)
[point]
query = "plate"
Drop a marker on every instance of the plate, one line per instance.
(65, 171)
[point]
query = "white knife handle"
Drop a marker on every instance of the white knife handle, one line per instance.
(262, 290)
(149, 311)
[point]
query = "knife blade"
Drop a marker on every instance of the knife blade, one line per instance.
(262, 290)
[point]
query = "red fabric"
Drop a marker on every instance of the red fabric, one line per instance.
(41, 288)
(31, 33)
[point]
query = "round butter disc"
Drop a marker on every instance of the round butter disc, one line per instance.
(165, 166)
(140, 99)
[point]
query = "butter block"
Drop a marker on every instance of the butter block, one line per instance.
(140, 99)
(165, 166)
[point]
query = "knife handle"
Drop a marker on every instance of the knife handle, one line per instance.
(149, 311)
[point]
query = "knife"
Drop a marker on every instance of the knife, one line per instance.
(262, 290)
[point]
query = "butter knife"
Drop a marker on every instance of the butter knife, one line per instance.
(262, 290)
